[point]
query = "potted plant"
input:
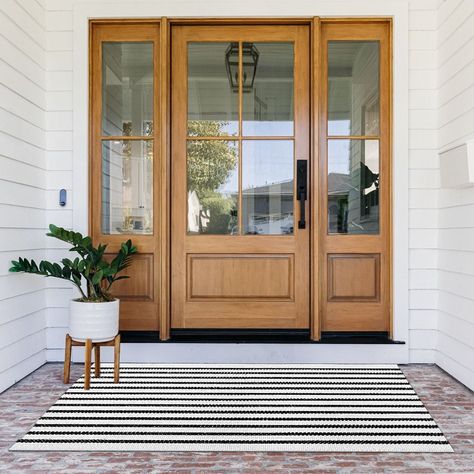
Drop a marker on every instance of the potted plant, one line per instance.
(95, 315)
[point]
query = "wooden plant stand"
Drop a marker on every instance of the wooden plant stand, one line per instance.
(89, 345)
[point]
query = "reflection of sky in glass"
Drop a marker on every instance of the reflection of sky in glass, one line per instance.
(338, 156)
(231, 186)
(339, 127)
(280, 128)
(341, 156)
(264, 162)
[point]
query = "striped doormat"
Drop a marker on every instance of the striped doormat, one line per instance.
(186, 407)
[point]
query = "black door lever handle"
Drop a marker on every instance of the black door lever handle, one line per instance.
(302, 221)
(302, 190)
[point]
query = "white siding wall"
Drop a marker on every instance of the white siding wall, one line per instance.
(423, 179)
(455, 348)
(22, 186)
(59, 159)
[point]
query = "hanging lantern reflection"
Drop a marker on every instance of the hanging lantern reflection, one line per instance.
(250, 56)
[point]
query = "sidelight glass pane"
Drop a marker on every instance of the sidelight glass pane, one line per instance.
(212, 103)
(213, 186)
(267, 186)
(127, 187)
(353, 88)
(127, 89)
(268, 89)
(353, 186)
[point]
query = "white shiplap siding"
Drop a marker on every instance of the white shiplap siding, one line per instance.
(59, 126)
(455, 348)
(423, 180)
(22, 186)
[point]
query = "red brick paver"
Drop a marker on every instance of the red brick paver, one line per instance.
(450, 403)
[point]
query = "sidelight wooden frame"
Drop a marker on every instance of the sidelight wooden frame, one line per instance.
(162, 171)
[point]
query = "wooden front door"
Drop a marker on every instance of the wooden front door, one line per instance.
(240, 141)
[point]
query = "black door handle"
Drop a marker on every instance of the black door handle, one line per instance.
(302, 189)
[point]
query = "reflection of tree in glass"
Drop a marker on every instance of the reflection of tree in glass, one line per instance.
(210, 164)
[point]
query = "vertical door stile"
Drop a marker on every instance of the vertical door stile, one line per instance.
(315, 200)
(164, 182)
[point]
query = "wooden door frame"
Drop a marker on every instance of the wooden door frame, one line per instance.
(164, 206)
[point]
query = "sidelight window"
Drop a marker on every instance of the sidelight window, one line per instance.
(353, 128)
(127, 137)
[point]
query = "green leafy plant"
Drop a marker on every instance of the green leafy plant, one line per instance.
(98, 273)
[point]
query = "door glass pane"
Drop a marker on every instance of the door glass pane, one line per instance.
(268, 89)
(212, 103)
(213, 186)
(353, 186)
(353, 88)
(127, 89)
(127, 187)
(267, 186)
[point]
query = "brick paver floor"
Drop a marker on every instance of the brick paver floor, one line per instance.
(450, 403)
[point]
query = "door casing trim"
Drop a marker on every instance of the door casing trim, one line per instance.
(82, 14)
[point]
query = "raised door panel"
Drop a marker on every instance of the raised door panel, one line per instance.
(353, 277)
(240, 277)
(139, 285)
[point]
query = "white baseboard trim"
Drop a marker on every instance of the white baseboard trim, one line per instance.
(249, 353)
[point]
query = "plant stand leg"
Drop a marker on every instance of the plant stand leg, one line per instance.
(97, 360)
(67, 358)
(116, 358)
(87, 368)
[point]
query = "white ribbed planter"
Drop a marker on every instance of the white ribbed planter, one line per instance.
(96, 321)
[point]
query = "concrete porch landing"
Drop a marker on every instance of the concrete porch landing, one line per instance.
(450, 403)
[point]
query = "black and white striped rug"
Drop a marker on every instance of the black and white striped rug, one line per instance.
(186, 407)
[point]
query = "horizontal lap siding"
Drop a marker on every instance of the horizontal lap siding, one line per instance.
(59, 156)
(23, 184)
(455, 348)
(423, 177)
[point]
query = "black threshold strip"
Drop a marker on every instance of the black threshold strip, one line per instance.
(257, 336)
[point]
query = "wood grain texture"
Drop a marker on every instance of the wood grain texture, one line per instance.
(140, 295)
(315, 200)
(139, 287)
(240, 277)
(343, 304)
(170, 284)
(353, 277)
(239, 307)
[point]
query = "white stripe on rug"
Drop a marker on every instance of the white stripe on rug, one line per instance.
(238, 407)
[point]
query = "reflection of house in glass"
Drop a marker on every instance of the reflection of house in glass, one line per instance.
(268, 209)
(338, 197)
(353, 202)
